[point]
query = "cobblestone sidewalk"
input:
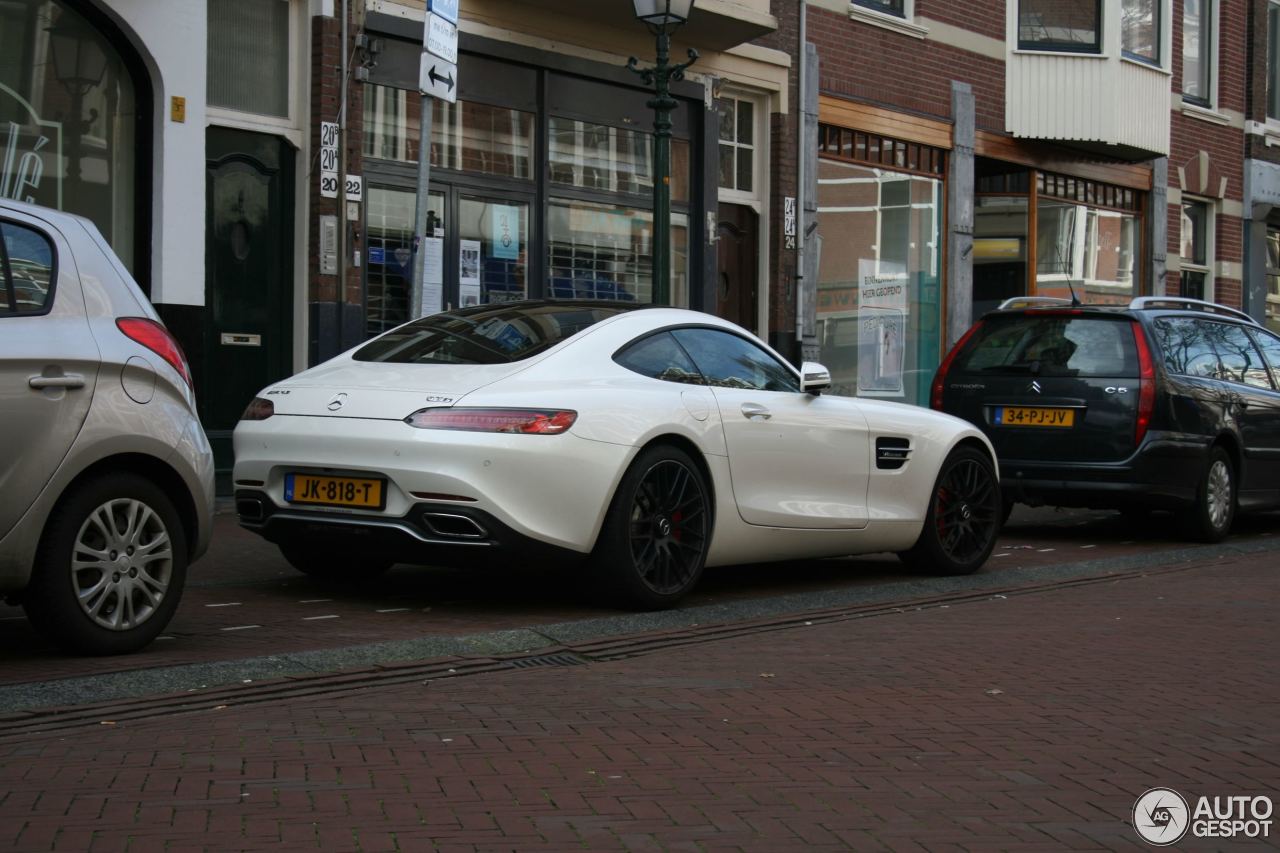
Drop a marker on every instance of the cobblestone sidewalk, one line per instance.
(1031, 722)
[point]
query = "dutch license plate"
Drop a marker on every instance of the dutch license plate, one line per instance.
(360, 492)
(1034, 416)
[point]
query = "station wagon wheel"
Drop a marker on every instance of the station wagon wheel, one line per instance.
(964, 516)
(653, 544)
(110, 568)
(1209, 518)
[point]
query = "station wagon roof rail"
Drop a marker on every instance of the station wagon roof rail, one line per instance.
(1149, 302)
(1027, 301)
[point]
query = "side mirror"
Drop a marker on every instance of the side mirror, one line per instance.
(814, 378)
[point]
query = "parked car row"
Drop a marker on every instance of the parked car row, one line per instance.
(645, 443)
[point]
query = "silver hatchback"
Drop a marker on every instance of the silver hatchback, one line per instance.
(106, 475)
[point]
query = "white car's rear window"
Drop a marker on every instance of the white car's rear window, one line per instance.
(487, 334)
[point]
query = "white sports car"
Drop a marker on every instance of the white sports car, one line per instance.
(650, 441)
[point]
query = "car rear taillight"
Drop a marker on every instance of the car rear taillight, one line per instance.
(1146, 384)
(156, 338)
(524, 421)
(258, 410)
(939, 378)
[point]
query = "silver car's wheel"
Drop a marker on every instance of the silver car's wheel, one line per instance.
(111, 566)
(121, 564)
(1209, 518)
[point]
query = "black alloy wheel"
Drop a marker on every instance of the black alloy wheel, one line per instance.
(963, 518)
(654, 542)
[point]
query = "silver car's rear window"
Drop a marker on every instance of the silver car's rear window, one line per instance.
(1051, 345)
(487, 334)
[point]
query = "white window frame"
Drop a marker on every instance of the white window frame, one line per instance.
(759, 131)
(1215, 19)
(288, 126)
(1210, 246)
(904, 23)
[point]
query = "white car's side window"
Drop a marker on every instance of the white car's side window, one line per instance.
(729, 361)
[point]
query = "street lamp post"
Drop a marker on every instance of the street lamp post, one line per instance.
(79, 64)
(662, 17)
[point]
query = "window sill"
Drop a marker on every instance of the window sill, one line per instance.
(1070, 54)
(1205, 114)
(888, 22)
(1269, 131)
(1142, 63)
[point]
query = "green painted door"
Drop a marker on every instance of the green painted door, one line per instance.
(248, 278)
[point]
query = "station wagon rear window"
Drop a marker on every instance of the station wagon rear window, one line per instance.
(1051, 345)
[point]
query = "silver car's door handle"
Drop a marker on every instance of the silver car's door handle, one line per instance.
(755, 410)
(70, 380)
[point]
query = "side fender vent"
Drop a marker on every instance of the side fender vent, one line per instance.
(892, 453)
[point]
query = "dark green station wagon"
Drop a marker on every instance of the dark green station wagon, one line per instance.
(1163, 403)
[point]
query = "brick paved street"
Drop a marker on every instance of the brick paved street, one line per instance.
(1027, 722)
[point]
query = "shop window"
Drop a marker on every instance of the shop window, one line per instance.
(601, 251)
(69, 119)
(493, 251)
(1085, 250)
(249, 56)
(26, 271)
(737, 145)
(610, 159)
(1072, 26)
(897, 8)
(1140, 29)
(1273, 279)
(1197, 51)
(466, 136)
(879, 309)
(1197, 250)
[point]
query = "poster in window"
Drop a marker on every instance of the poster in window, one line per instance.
(504, 231)
(882, 327)
(468, 272)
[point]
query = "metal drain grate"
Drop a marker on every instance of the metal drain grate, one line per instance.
(558, 659)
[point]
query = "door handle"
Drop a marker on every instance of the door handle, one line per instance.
(1240, 403)
(755, 411)
(70, 380)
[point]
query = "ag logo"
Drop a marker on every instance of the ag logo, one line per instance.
(1161, 817)
(338, 401)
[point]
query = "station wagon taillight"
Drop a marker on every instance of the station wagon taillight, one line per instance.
(1146, 384)
(522, 421)
(156, 338)
(939, 378)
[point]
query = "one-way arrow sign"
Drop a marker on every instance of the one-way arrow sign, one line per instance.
(438, 78)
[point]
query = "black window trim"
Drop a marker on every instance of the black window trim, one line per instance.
(1156, 61)
(1209, 11)
(1065, 47)
(899, 10)
(7, 272)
